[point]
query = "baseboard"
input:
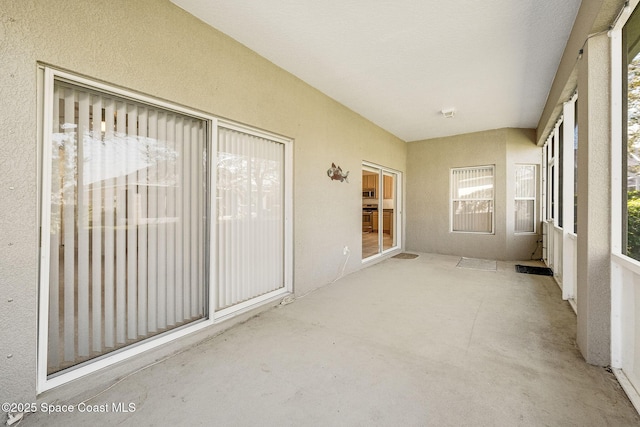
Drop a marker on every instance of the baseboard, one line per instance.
(629, 389)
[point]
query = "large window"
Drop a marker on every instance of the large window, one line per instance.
(472, 199)
(631, 137)
(525, 199)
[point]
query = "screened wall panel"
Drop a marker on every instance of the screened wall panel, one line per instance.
(127, 230)
(250, 217)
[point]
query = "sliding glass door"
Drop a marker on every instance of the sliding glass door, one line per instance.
(157, 221)
(380, 214)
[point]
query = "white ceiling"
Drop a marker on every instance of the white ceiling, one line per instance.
(400, 62)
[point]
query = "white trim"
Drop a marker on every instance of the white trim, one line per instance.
(45, 218)
(617, 280)
(234, 310)
(228, 124)
(619, 262)
(569, 246)
(624, 15)
(212, 218)
(626, 262)
(493, 200)
(616, 138)
(128, 94)
(398, 214)
(629, 389)
(288, 215)
(118, 356)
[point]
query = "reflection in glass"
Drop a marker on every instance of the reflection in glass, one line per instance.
(127, 223)
(525, 199)
(472, 199)
(631, 207)
(250, 217)
(389, 210)
(379, 221)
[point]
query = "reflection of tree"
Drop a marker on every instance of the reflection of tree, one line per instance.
(633, 117)
(473, 207)
(633, 224)
(105, 157)
(251, 184)
(633, 159)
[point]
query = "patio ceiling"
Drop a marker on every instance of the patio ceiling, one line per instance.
(400, 63)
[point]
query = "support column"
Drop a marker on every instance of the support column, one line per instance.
(594, 202)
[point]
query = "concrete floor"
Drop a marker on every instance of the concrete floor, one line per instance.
(405, 342)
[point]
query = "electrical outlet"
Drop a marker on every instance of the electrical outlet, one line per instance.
(345, 250)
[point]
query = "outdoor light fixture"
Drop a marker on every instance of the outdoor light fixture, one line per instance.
(448, 113)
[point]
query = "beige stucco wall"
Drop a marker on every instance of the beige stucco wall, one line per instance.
(590, 75)
(594, 202)
(428, 210)
(153, 47)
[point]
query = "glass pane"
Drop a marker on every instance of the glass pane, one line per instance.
(371, 212)
(472, 183)
(525, 189)
(472, 197)
(575, 168)
(560, 173)
(525, 216)
(127, 225)
(525, 181)
(250, 194)
(473, 216)
(389, 212)
(632, 208)
(551, 193)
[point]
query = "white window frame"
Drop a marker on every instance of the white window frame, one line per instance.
(46, 76)
(624, 269)
(452, 200)
(241, 307)
(398, 214)
(617, 149)
(530, 198)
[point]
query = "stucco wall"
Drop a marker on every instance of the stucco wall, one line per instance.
(428, 211)
(594, 203)
(153, 47)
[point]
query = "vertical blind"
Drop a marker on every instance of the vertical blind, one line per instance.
(128, 192)
(250, 204)
(472, 199)
(525, 199)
